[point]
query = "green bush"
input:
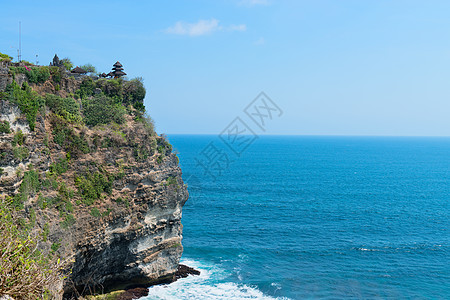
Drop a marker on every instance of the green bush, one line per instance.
(60, 167)
(5, 57)
(112, 88)
(67, 108)
(29, 186)
(19, 138)
(95, 212)
(25, 272)
(65, 136)
(67, 63)
(34, 74)
(92, 185)
(134, 92)
(28, 101)
(5, 127)
(56, 74)
(68, 221)
(102, 110)
(86, 89)
(89, 68)
(21, 153)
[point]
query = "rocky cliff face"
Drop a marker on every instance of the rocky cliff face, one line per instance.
(106, 198)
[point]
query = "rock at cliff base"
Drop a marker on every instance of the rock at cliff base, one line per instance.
(183, 271)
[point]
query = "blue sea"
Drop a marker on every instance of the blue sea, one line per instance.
(300, 217)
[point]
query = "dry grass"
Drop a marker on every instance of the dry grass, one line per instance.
(25, 273)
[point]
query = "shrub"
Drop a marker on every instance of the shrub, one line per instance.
(86, 89)
(29, 186)
(102, 110)
(19, 138)
(20, 153)
(112, 88)
(5, 57)
(91, 186)
(59, 167)
(5, 127)
(67, 63)
(68, 221)
(25, 272)
(66, 137)
(89, 68)
(28, 101)
(34, 74)
(134, 92)
(67, 108)
(56, 74)
(95, 212)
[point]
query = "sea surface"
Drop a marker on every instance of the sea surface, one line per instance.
(298, 217)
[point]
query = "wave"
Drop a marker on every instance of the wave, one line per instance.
(210, 284)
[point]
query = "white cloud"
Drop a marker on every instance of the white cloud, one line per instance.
(254, 2)
(259, 42)
(202, 27)
(241, 27)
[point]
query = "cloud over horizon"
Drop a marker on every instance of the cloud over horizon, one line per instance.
(202, 27)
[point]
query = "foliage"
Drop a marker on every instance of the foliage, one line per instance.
(5, 127)
(86, 89)
(102, 110)
(95, 212)
(89, 68)
(140, 152)
(34, 74)
(56, 74)
(29, 186)
(67, 63)
(171, 181)
(19, 138)
(134, 92)
(20, 153)
(66, 108)
(60, 167)
(68, 221)
(112, 88)
(25, 273)
(5, 57)
(91, 186)
(65, 136)
(28, 101)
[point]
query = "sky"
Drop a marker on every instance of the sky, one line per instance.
(346, 67)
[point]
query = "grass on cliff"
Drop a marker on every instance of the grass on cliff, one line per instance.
(25, 272)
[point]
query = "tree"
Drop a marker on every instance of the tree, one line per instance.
(89, 68)
(67, 63)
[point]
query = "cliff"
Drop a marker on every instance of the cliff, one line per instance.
(84, 169)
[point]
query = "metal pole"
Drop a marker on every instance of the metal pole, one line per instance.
(20, 42)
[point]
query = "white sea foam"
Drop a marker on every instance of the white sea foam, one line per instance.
(208, 285)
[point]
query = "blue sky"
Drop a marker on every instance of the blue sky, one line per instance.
(333, 67)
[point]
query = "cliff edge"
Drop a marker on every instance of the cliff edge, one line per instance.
(85, 171)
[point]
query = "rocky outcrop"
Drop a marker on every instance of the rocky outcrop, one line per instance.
(131, 235)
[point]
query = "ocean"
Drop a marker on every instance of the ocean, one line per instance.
(307, 217)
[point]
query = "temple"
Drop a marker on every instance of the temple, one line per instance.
(117, 70)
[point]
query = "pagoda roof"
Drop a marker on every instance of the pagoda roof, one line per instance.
(78, 70)
(119, 73)
(117, 64)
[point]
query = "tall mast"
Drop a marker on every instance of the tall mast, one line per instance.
(19, 55)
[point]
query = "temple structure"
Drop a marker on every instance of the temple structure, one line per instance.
(117, 70)
(56, 62)
(78, 70)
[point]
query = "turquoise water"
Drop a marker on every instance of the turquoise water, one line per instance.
(317, 217)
